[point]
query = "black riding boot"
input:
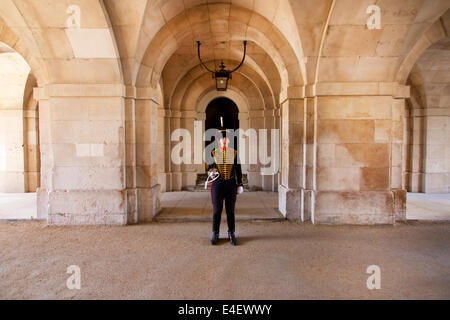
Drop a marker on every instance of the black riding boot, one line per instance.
(232, 238)
(215, 238)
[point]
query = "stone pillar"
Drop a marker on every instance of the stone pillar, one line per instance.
(130, 151)
(188, 172)
(291, 189)
(428, 167)
(175, 169)
(244, 124)
(269, 181)
(163, 157)
(14, 73)
(31, 150)
(12, 158)
(45, 144)
(201, 116)
(311, 157)
(415, 167)
(255, 179)
(277, 177)
(397, 155)
(436, 150)
(147, 187)
(82, 140)
(359, 153)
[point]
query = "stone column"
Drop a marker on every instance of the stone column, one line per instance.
(130, 151)
(12, 157)
(428, 167)
(82, 140)
(244, 121)
(201, 116)
(189, 175)
(311, 155)
(291, 189)
(147, 187)
(175, 169)
(415, 167)
(269, 181)
(397, 155)
(254, 176)
(31, 150)
(277, 178)
(14, 75)
(436, 177)
(359, 150)
(163, 156)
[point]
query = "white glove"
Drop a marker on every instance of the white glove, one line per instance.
(240, 189)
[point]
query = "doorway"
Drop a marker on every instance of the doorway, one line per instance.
(222, 113)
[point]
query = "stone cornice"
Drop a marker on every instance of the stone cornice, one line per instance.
(96, 90)
(79, 90)
(346, 89)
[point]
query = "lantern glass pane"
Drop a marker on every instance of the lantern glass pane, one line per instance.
(221, 83)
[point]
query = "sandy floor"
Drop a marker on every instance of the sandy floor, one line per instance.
(275, 260)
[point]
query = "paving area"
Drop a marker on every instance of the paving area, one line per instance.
(254, 206)
(274, 260)
(420, 206)
(18, 206)
(197, 206)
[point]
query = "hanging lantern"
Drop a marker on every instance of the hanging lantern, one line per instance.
(222, 75)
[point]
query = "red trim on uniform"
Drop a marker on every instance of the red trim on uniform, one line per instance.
(210, 192)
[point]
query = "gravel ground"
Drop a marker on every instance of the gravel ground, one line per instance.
(274, 260)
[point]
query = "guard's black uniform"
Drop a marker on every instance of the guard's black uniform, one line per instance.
(225, 187)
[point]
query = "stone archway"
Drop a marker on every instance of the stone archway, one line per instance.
(19, 137)
(222, 113)
(241, 103)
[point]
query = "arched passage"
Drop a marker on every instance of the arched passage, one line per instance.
(427, 124)
(167, 58)
(222, 112)
(19, 136)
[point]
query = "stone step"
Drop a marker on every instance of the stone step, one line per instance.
(200, 183)
(201, 178)
(162, 218)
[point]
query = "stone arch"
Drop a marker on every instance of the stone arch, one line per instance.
(266, 81)
(9, 37)
(426, 126)
(19, 134)
(351, 52)
(235, 95)
(177, 68)
(189, 94)
(436, 32)
(422, 69)
(210, 94)
(165, 43)
(62, 55)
